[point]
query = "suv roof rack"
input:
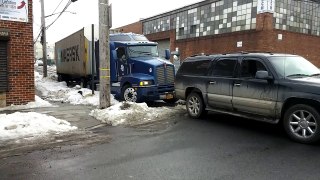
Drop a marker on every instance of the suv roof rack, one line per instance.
(201, 54)
(248, 52)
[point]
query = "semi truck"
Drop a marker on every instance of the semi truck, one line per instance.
(137, 73)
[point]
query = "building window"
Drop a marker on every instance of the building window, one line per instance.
(223, 16)
(3, 66)
(181, 31)
(193, 29)
(300, 16)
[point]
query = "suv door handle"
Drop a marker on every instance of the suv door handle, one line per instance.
(237, 84)
(212, 82)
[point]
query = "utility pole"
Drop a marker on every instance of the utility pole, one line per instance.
(43, 40)
(104, 50)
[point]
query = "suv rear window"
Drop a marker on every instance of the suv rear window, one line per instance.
(199, 68)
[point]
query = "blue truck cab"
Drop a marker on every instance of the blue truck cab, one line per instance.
(137, 73)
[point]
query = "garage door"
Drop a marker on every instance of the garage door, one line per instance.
(162, 46)
(3, 66)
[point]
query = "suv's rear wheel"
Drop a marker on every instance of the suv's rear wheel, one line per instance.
(301, 123)
(195, 105)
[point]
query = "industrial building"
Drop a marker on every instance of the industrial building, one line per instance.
(16, 53)
(223, 26)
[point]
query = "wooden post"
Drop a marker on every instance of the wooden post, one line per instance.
(44, 40)
(104, 50)
(93, 64)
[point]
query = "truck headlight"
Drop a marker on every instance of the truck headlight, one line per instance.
(146, 83)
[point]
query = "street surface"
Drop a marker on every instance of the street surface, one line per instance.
(216, 147)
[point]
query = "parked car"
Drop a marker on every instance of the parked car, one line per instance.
(39, 62)
(274, 88)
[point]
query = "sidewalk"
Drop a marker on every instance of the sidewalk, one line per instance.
(77, 115)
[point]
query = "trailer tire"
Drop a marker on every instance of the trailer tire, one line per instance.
(60, 78)
(84, 83)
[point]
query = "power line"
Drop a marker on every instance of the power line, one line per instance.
(35, 41)
(40, 31)
(57, 7)
(64, 9)
(39, 34)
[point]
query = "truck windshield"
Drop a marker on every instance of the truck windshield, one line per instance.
(294, 66)
(143, 51)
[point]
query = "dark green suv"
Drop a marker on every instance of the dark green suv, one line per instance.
(274, 88)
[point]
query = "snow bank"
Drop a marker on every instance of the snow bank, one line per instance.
(84, 96)
(36, 104)
(118, 114)
(59, 91)
(30, 125)
(50, 88)
(126, 113)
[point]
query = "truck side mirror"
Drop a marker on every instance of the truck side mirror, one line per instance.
(167, 52)
(114, 54)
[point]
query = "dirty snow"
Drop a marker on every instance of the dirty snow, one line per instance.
(36, 104)
(30, 125)
(131, 114)
(35, 125)
(120, 113)
(59, 91)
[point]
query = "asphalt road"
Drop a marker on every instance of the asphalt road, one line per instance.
(217, 147)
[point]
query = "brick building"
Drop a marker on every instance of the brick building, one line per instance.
(134, 28)
(16, 53)
(222, 26)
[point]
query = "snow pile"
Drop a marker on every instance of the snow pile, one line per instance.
(36, 104)
(50, 88)
(82, 96)
(59, 91)
(126, 113)
(30, 125)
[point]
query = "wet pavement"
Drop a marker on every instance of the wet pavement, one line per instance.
(215, 147)
(77, 115)
(88, 132)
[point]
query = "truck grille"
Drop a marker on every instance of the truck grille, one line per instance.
(162, 72)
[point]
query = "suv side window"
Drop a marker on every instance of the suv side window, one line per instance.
(249, 67)
(224, 68)
(195, 67)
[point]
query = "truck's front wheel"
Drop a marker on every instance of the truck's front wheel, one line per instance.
(129, 94)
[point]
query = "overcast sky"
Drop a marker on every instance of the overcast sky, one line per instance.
(124, 12)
